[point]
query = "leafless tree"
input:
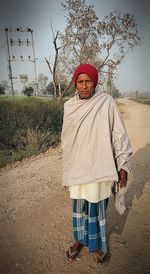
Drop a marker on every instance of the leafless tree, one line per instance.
(54, 69)
(104, 43)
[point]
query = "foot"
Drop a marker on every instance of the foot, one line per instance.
(73, 252)
(102, 258)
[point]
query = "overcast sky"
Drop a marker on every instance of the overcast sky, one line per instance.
(133, 73)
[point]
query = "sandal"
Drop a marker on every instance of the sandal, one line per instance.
(102, 258)
(73, 252)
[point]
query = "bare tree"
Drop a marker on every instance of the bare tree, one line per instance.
(80, 35)
(104, 43)
(117, 34)
(54, 69)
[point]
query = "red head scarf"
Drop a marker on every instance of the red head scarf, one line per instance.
(88, 69)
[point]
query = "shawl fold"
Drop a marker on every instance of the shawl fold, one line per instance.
(94, 140)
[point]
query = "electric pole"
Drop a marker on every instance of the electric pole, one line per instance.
(9, 64)
(34, 62)
(11, 58)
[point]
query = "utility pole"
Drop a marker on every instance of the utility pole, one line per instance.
(34, 62)
(12, 58)
(10, 76)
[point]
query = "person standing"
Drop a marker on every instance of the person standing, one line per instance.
(96, 153)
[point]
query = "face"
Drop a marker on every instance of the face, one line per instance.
(85, 86)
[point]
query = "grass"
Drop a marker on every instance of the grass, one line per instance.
(28, 126)
(22, 97)
(9, 156)
(142, 100)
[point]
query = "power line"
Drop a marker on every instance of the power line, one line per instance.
(3, 45)
(11, 42)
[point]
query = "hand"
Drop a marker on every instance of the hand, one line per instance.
(122, 178)
(64, 188)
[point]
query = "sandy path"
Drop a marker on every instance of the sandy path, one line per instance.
(35, 213)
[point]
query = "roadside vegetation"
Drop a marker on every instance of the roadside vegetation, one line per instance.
(28, 126)
(142, 100)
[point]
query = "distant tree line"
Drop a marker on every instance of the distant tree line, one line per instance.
(46, 88)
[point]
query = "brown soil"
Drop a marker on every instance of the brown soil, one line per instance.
(36, 214)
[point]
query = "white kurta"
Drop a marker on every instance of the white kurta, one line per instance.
(93, 193)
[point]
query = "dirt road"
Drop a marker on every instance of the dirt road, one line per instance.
(35, 213)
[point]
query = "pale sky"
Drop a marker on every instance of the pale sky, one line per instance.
(133, 74)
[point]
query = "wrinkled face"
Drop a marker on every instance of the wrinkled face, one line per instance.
(85, 86)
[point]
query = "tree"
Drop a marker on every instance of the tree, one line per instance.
(2, 89)
(28, 91)
(104, 43)
(114, 91)
(42, 82)
(80, 35)
(6, 86)
(54, 70)
(49, 90)
(50, 87)
(136, 93)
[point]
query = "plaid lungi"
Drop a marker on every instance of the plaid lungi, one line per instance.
(89, 224)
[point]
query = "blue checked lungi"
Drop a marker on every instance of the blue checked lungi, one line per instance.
(89, 224)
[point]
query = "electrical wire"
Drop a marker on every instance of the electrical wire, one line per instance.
(3, 45)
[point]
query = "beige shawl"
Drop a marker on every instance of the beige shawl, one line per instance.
(94, 140)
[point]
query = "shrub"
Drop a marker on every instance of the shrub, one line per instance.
(28, 91)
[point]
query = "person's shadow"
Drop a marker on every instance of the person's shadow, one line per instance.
(140, 175)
